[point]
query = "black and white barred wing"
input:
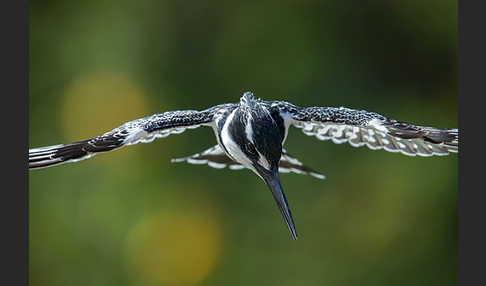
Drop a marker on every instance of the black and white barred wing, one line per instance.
(363, 128)
(216, 158)
(141, 130)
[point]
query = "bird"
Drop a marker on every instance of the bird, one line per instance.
(250, 134)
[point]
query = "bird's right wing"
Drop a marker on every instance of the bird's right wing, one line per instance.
(140, 130)
(363, 128)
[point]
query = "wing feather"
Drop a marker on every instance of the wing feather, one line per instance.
(363, 128)
(143, 130)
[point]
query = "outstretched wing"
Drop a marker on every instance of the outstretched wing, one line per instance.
(140, 130)
(363, 128)
(216, 158)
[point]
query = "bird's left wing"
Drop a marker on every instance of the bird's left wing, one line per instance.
(140, 130)
(363, 128)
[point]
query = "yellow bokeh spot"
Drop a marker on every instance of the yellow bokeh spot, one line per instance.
(100, 102)
(172, 248)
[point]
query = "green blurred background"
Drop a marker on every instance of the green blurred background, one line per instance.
(131, 217)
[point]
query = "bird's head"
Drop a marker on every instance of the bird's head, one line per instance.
(247, 99)
(259, 132)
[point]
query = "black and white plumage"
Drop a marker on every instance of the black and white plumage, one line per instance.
(250, 134)
(216, 158)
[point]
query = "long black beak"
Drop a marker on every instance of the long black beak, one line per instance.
(272, 179)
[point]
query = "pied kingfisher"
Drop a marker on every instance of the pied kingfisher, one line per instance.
(251, 133)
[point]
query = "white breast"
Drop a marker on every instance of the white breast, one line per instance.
(231, 147)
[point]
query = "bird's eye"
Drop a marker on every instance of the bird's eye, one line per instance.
(250, 149)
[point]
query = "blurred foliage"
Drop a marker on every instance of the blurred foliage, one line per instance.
(132, 218)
